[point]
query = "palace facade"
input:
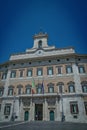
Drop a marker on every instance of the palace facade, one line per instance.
(44, 83)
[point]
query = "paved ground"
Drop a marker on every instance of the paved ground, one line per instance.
(37, 125)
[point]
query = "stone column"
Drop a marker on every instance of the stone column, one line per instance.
(21, 115)
(57, 113)
(6, 84)
(76, 78)
(45, 111)
(32, 110)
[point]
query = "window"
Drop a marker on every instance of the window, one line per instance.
(4, 75)
(59, 70)
(71, 88)
(50, 70)
(21, 73)
(40, 44)
(81, 69)
(60, 89)
(85, 104)
(39, 88)
(13, 74)
(7, 109)
(19, 91)
(28, 89)
(29, 73)
(10, 91)
(1, 91)
(50, 88)
(84, 86)
(68, 69)
(39, 71)
(74, 108)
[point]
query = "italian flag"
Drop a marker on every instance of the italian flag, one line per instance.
(33, 86)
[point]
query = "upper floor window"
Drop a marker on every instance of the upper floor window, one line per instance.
(10, 90)
(59, 70)
(1, 91)
(74, 108)
(71, 87)
(39, 71)
(7, 109)
(50, 70)
(60, 87)
(4, 75)
(19, 89)
(81, 69)
(29, 73)
(68, 69)
(40, 44)
(13, 74)
(39, 88)
(84, 86)
(28, 89)
(50, 88)
(21, 73)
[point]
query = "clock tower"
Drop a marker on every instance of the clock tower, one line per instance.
(40, 40)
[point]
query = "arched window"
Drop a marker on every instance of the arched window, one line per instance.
(84, 86)
(28, 89)
(50, 88)
(60, 87)
(40, 44)
(39, 88)
(10, 90)
(19, 89)
(71, 87)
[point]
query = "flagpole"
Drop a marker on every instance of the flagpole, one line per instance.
(33, 86)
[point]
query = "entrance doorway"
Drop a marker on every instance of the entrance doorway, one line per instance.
(38, 111)
(26, 116)
(51, 115)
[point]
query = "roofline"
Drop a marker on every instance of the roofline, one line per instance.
(71, 47)
(46, 57)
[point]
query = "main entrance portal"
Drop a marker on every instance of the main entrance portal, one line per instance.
(38, 111)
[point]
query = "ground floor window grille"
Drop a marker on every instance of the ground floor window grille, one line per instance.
(74, 108)
(7, 109)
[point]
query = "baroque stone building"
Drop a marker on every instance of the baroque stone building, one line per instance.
(44, 83)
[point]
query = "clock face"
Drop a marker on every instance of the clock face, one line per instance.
(39, 52)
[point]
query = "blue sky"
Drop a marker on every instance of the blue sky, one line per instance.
(65, 21)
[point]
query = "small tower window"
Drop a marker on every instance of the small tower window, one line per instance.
(40, 44)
